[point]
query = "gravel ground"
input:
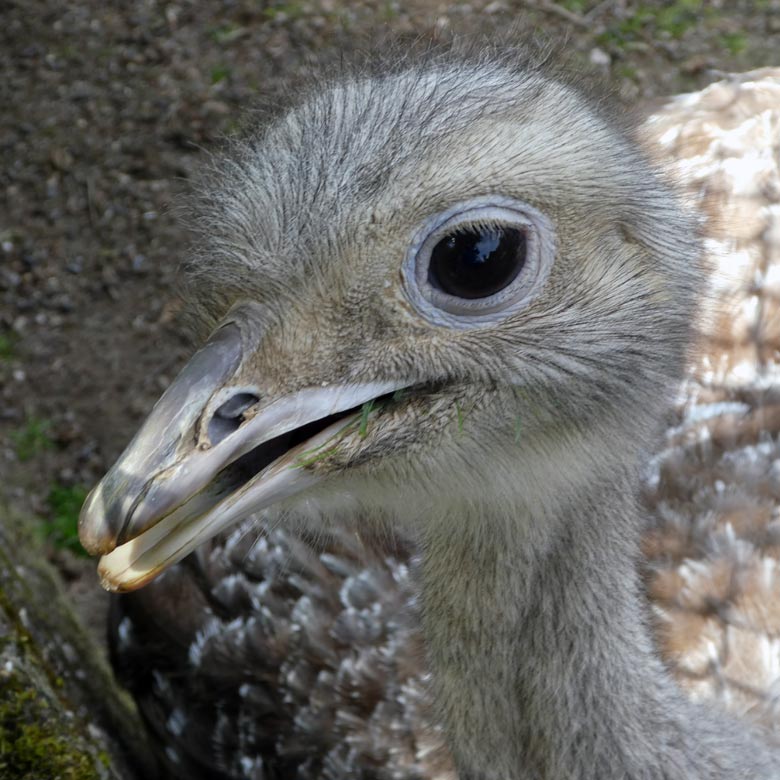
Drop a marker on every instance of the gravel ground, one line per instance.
(106, 113)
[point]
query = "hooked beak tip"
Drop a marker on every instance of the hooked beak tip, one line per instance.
(94, 533)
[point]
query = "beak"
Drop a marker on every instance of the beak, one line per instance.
(211, 453)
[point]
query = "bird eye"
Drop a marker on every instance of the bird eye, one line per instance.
(478, 261)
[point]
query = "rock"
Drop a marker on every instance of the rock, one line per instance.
(62, 715)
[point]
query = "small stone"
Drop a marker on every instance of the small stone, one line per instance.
(216, 107)
(599, 58)
(61, 159)
(696, 64)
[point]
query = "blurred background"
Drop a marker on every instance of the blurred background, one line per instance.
(107, 110)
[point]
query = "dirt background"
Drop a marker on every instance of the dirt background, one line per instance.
(106, 112)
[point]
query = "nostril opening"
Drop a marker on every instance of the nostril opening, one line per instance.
(228, 416)
(236, 405)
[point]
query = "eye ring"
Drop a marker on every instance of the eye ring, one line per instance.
(442, 308)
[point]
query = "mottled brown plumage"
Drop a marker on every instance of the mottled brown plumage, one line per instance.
(714, 571)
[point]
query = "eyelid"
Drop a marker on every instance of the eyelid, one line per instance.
(442, 309)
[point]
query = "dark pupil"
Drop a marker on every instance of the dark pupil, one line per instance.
(477, 263)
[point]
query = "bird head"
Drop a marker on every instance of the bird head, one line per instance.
(450, 284)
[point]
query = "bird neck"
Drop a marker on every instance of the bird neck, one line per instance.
(542, 663)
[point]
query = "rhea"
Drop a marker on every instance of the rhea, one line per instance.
(449, 302)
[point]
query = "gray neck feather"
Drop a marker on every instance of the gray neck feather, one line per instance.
(541, 657)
